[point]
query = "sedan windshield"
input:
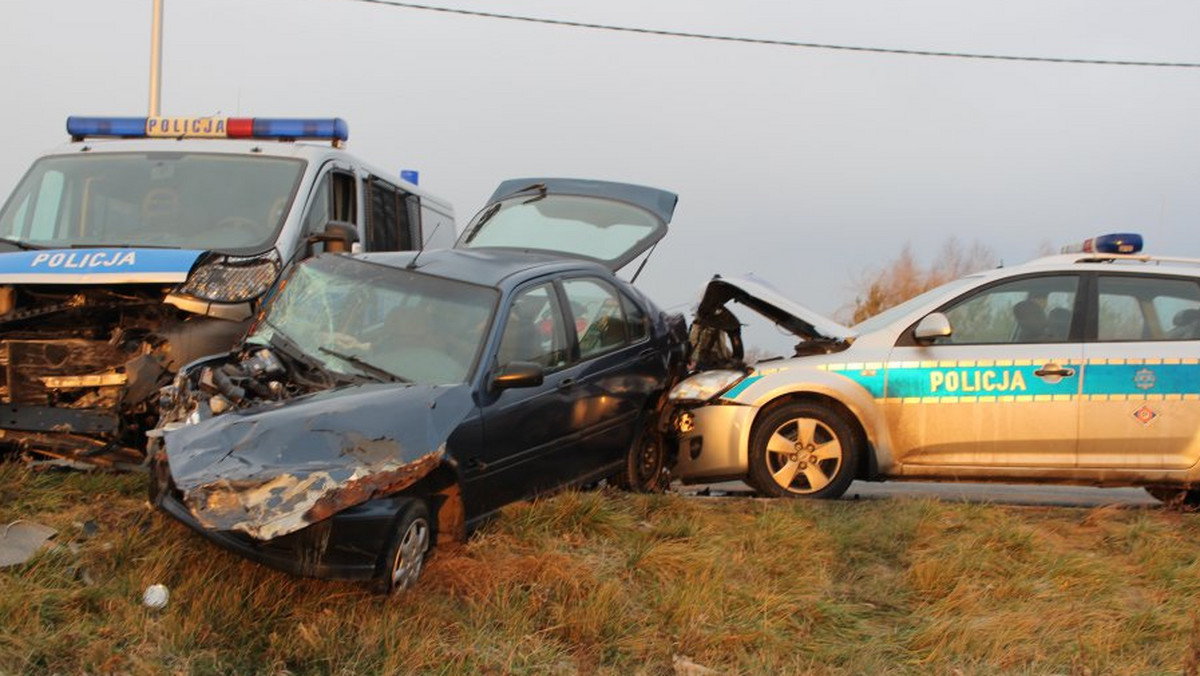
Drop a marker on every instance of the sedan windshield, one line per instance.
(380, 322)
(173, 200)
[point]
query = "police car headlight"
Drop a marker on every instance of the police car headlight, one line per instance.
(233, 279)
(705, 386)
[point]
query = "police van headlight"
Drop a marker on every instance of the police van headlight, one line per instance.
(705, 386)
(233, 279)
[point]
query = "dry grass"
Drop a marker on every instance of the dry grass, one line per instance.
(606, 583)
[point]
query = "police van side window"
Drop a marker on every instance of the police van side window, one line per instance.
(333, 199)
(394, 216)
(1029, 310)
(1147, 308)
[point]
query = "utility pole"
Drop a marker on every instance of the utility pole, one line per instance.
(156, 59)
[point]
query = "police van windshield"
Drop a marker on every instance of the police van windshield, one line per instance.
(173, 200)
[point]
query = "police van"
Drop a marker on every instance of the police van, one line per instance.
(1079, 368)
(145, 243)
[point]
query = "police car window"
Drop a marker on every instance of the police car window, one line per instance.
(1030, 310)
(1147, 308)
(534, 329)
(599, 318)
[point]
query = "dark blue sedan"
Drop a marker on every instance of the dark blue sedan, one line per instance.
(383, 402)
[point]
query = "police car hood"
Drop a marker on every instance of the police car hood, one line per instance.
(758, 295)
(98, 265)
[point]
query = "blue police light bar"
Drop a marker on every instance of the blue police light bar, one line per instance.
(1114, 243)
(129, 127)
(411, 175)
(334, 128)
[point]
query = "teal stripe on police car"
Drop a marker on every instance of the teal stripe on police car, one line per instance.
(1144, 378)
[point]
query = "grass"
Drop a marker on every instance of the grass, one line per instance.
(609, 583)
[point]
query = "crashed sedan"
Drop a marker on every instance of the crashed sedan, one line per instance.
(385, 402)
(1079, 368)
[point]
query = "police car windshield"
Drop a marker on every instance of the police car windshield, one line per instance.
(893, 314)
(176, 200)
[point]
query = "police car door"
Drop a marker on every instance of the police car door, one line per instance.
(1002, 390)
(1141, 382)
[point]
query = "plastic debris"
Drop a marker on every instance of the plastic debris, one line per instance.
(156, 596)
(684, 666)
(20, 540)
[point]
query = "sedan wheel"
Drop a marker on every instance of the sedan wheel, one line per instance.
(803, 450)
(409, 547)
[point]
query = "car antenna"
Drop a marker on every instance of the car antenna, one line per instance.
(413, 263)
(639, 270)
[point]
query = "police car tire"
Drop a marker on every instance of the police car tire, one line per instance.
(833, 424)
(412, 537)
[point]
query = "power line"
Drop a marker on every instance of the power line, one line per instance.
(777, 43)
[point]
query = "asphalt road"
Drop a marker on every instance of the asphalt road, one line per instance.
(1003, 494)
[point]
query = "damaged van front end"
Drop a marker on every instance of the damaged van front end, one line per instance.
(88, 335)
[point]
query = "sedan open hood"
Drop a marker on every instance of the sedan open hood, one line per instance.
(611, 223)
(275, 469)
(766, 300)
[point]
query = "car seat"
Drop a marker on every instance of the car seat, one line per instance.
(1031, 322)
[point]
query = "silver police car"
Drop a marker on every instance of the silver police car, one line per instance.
(1080, 368)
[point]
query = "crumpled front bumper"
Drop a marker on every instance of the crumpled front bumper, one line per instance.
(347, 546)
(712, 441)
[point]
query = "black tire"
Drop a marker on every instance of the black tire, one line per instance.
(411, 540)
(1175, 497)
(803, 450)
(646, 469)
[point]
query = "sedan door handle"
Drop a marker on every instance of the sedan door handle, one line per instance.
(566, 383)
(1054, 371)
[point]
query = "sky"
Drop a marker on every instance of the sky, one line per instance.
(807, 167)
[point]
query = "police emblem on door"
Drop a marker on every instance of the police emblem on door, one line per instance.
(1144, 379)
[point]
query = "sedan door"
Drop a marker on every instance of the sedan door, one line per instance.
(1002, 390)
(619, 370)
(524, 425)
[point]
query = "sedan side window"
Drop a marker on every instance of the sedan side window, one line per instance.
(600, 322)
(1030, 310)
(1148, 308)
(534, 330)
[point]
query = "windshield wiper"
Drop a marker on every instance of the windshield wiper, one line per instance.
(366, 366)
(19, 244)
(280, 341)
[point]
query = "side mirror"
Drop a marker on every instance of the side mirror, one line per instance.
(932, 327)
(518, 374)
(338, 236)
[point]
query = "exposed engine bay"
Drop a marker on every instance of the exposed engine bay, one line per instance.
(254, 375)
(716, 332)
(80, 367)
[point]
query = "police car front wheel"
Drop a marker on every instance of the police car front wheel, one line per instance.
(803, 449)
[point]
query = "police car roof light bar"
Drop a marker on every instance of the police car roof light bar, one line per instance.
(1113, 243)
(334, 129)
